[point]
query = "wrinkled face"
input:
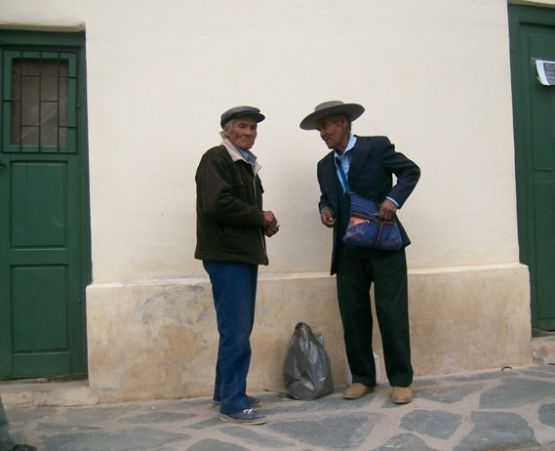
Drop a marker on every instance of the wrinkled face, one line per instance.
(334, 131)
(241, 132)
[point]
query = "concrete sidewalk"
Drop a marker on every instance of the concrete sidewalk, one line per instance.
(509, 409)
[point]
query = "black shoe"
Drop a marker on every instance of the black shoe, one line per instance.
(254, 403)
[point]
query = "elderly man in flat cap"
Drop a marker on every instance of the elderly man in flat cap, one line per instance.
(365, 165)
(231, 230)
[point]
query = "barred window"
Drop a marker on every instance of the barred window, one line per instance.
(39, 93)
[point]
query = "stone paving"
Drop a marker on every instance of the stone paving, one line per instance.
(509, 409)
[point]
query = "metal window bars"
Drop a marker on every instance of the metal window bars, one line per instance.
(40, 90)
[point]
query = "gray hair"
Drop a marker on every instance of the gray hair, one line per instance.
(228, 124)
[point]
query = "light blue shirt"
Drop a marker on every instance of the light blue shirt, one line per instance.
(345, 159)
(247, 155)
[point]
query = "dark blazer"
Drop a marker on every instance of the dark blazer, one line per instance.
(373, 162)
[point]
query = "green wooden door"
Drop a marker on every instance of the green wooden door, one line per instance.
(44, 232)
(532, 38)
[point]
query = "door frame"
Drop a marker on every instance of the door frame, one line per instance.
(75, 41)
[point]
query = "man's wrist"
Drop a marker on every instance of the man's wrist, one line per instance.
(393, 200)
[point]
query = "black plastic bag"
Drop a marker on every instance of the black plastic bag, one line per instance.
(307, 368)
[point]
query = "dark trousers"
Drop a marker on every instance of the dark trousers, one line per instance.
(388, 272)
(234, 291)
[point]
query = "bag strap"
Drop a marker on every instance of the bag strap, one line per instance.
(343, 176)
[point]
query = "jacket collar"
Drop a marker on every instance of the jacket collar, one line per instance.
(236, 155)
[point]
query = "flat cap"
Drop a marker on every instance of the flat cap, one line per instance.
(238, 111)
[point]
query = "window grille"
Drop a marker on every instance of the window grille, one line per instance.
(39, 93)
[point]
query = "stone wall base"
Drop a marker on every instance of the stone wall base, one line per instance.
(158, 339)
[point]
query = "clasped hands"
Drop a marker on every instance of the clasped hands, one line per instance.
(271, 227)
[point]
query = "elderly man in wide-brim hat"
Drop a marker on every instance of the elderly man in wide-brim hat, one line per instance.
(365, 165)
(231, 228)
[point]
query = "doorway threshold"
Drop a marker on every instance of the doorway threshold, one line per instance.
(543, 346)
(47, 392)
(538, 333)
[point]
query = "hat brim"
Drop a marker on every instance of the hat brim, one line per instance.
(351, 110)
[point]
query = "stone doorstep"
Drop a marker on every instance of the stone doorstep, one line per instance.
(543, 349)
(51, 394)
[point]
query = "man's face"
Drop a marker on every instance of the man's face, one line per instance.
(334, 132)
(242, 132)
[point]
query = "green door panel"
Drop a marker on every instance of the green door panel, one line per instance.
(40, 335)
(27, 366)
(44, 208)
(39, 309)
(545, 253)
(532, 33)
(38, 203)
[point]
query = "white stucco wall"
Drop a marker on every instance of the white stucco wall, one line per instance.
(433, 75)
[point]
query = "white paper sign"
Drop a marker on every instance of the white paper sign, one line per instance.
(546, 72)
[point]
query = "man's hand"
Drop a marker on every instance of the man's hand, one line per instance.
(271, 231)
(271, 226)
(327, 217)
(388, 210)
(269, 219)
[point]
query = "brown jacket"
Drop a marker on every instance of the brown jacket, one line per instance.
(229, 210)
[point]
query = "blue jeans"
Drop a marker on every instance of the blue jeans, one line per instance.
(234, 291)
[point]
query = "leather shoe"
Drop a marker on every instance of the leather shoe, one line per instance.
(401, 395)
(357, 390)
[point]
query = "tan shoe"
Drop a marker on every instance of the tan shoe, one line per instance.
(401, 395)
(357, 390)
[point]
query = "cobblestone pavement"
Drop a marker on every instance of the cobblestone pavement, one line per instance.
(509, 409)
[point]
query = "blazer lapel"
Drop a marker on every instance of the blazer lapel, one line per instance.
(358, 156)
(330, 178)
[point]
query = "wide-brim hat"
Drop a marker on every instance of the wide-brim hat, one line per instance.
(351, 110)
(240, 111)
